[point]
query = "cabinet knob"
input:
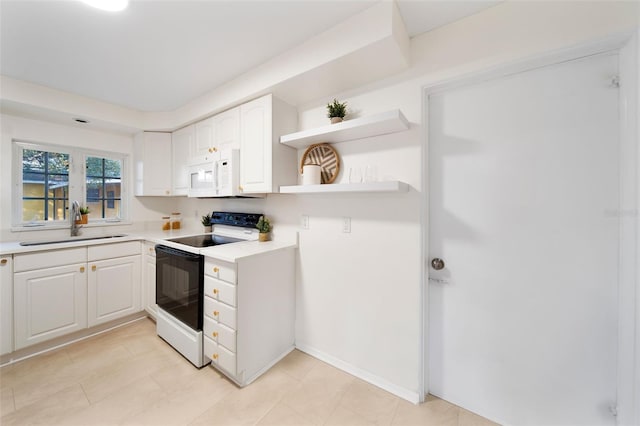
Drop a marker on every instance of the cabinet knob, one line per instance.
(215, 334)
(82, 269)
(215, 356)
(93, 267)
(214, 149)
(3, 262)
(216, 269)
(215, 313)
(215, 291)
(240, 188)
(150, 250)
(167, 192)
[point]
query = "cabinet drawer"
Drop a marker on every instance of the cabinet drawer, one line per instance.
(221, 270)
(220, 290)
(48, 259)
(220, 312)
(219, 356)
(220, 334)
(109, 251)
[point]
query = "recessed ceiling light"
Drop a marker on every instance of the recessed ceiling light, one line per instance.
(81, 120)
(108, 5)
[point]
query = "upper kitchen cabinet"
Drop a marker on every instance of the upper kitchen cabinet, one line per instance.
(205, 141)
(152, 164)
(265, 164)
(215, 133)
(182, 146)
(227, 129)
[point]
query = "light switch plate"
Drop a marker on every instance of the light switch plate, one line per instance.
(346, 225)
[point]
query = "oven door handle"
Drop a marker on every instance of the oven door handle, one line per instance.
(175, 252)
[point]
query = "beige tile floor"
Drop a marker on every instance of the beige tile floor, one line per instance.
(129, 376)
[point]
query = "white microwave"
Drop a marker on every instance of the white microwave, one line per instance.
(218, 177)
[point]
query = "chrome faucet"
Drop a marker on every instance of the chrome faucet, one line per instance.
(75, 216)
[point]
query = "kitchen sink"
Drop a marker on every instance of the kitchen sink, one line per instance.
(70, 240)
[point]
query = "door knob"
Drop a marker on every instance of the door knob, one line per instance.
(437, 263)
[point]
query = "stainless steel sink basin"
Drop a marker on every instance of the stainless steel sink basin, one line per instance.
(69, 240)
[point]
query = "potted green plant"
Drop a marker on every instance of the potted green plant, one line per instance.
(206, 222)
(264, 227)
(84, 216)
(336, 111)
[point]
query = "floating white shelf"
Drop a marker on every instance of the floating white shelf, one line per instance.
(358, 128)
(390, 186)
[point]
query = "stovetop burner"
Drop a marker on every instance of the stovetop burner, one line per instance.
(205, 240)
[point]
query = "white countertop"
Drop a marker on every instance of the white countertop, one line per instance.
(227, 252)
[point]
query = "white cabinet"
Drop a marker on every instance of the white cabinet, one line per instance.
(49, 301)
(227, 129)
(149, 279)
(265, 163)
(205, 141)
(152, 164)
(6, 304)
(114, 281)
(182, 145)
(249, 313)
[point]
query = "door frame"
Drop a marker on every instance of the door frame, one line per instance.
(627, 45)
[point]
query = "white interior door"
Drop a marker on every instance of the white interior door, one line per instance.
(523, 187)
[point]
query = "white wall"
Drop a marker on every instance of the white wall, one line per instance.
(142, 209)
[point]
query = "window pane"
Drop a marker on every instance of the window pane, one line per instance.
(45, 178)
(95, 209)
(112, 212)
(94, 166)
(32, 210)
(112, 168)
(33, 161)
(58, 163)
(59, 210)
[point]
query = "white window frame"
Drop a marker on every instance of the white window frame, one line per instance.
(77, 184)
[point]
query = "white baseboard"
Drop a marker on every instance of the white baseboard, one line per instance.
(411, 396)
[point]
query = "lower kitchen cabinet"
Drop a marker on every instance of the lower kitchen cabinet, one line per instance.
(6, 304)
(249, 313)
(114, 289)
(149, 280)
(48, 303)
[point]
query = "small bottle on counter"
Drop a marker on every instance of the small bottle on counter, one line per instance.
(166, 223)
(175, 220)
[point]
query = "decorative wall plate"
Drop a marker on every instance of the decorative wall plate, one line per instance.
(325, 156)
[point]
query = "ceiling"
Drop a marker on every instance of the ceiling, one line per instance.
(159, 55)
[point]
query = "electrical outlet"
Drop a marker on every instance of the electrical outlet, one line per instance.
(304, 222)
(346, 225)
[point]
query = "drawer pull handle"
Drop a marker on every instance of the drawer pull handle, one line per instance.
(215, 334)
(215, 356)
(82, 269)
(3, 261)
(93, 267)
(216, 269)
(215, 291)
(215, 313)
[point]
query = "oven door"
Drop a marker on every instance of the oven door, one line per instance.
(180, 284)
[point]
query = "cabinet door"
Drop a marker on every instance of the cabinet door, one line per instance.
(6, 305)
(205, 143)
(255, 146)
(227, 129)
(49, 303)
(114, 289)
(152, 164)
(182, 143)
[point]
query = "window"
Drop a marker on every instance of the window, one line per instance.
(45, 185)
(103, 183)
(50, 177)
